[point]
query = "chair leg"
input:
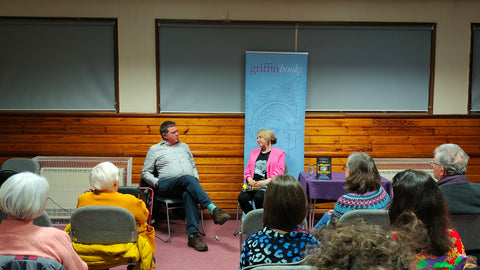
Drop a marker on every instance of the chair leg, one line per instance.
(237, 231)
(203, 225)
(236, 228)
(241, 241)
(168, 225)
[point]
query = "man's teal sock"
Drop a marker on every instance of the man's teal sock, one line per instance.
(210, 207)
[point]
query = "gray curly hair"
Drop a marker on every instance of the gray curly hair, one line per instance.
(451, 157)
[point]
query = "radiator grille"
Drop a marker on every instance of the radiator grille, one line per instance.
(388, 167)
(68, 177)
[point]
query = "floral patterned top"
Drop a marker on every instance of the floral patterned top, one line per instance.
(455, 259)
(269, 246)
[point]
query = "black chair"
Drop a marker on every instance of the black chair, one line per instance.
(467, 226)
(143, 193)
(170, 203)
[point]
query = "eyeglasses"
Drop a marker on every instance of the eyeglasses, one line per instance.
(433, 163)
(345, 167)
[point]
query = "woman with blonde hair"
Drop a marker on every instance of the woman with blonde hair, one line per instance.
(264, 163)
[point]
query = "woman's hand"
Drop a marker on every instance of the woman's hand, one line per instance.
(262, 183)
(259, 184)
(250, 181)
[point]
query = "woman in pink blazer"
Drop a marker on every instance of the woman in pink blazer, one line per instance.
(264, 163)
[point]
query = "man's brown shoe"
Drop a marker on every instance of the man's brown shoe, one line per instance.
(196, 242)
(219, 217)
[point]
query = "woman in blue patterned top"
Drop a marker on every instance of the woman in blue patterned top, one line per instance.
(364, 183)
(282, 239)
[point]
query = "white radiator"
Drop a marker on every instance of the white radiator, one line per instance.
(388, 167)
(68, 178)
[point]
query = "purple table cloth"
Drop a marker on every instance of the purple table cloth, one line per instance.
(317, 189)
(327, 190)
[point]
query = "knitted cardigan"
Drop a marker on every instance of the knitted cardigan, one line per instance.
(377, 199)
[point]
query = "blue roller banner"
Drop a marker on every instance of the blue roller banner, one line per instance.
(275, 93)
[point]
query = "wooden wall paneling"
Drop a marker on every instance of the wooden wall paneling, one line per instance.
(216, 141)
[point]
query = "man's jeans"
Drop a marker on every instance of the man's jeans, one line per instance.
(191, 192)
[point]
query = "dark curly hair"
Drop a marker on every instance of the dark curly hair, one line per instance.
(362, 246)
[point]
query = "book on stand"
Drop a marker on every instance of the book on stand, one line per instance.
(324, 168)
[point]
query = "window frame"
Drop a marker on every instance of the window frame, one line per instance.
(430, 77)
(474, 68)
(114, 109)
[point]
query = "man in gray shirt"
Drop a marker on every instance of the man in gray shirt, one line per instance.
(173, 162)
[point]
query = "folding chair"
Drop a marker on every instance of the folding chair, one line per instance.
(170, 203)
(20, 165)
(252, 223)
(43, 220)
(104, 225)
(25, 262)
(237, 220)
(301, 265)
(372, 216)
(467, 226)
(143, 193)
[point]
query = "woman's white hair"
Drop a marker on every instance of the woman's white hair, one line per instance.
(103, 176)
(24, 195)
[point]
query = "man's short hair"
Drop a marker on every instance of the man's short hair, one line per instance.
(452, 158)
(164, 127)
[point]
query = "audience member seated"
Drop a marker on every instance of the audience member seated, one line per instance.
(416, 193)
(449, 166)
(361, 246)
(170, 169)
(104, 183)
(283, 238)
(23, 197)
(263, 164)
(364, 183)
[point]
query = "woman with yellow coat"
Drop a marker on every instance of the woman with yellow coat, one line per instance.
(104, 183)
